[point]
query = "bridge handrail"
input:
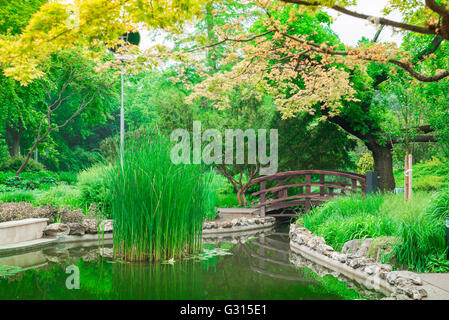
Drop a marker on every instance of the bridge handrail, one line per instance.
(278, 197)
(340, 186)
(338, 173)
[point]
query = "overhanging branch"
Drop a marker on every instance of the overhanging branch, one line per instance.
(377, 20)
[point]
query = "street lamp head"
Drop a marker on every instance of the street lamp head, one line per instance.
(129, 38)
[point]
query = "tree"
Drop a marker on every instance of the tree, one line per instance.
(15, 100)
(308, 144)
(15, 15)
(72, 86)
(88, 23)
(428, 18)
(19, 111)
(291, 55)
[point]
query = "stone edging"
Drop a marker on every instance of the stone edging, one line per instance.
(399, 285)
(237, 225)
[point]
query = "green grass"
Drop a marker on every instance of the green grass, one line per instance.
(418, 225)
(158, 207)
(61, 195)
(18, 196)
(58, 196)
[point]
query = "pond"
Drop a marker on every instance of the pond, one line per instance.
(254, 268)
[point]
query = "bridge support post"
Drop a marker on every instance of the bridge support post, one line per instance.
(263, 211)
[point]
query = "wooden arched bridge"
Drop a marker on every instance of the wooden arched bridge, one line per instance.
(304, 189)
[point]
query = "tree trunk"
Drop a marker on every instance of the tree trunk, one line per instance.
(239, 197)
(383, 165)
(13, 141)
(27, 158)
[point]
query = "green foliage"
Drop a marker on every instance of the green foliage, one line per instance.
(13, 164)
(17, 196)
(42, 180)
(4, 153)
(421, 236)
(327, 145)
(439, 205)
(431, 175)
(428, 183)
(438, 263)
(158, 207)
(365, 164)
(418, 225)
(94, 188)
(60, 196)
(14, 15)
(68, 177)
(227, 200)
(71, 159)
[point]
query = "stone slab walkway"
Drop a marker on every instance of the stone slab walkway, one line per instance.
(237, 211)
(25, 245)
(436, 285)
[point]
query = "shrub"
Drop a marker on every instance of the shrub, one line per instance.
(365, 164)
(72, 159)
(11, 211)
(428, 175)
(20, 183)
(68, 215)
(68, 176)
(29, 184)
(427, 183)
(61, 195)
(13, 164)
(94, 189)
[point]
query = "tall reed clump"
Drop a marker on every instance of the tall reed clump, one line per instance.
(158, 207)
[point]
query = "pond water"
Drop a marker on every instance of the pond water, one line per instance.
(254, 268)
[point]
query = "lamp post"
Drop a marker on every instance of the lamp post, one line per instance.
(132, 38)
(122, 58)
(122, 118)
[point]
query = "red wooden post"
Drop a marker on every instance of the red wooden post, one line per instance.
(322, 192)
(354, 185)
(308, 192)
(281, 193)
(262, 199)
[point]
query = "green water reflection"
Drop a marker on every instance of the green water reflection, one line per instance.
(257, 269)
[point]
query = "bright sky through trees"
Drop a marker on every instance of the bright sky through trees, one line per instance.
(351, 30)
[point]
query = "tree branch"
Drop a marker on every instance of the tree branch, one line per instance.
(379, 20)
(437, 8)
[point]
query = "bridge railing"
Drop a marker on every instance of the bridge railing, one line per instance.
(317, 187)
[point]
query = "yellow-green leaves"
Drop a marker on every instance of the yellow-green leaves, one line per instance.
(89, 23)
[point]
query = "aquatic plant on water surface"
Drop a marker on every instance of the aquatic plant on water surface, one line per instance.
(158, 207)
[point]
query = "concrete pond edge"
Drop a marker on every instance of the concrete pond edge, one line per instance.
(93, 230)
(237, 225)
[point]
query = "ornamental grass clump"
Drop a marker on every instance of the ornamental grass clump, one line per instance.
(158, 207)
